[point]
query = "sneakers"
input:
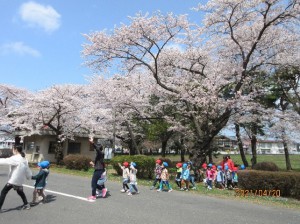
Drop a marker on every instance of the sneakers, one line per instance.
(159, 190)
(170, 190)
(181, 189)
(92, 198)
(104, 191)
(194, 188)
(127, 191)
(98, 193)
(129, 194)
(123, 191)
(152, 187)
(26, 207)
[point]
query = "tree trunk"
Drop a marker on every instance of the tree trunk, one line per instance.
(59, 154)
(253, 150)
(163, 148)
(287, 155)
(164, 142)
(210, 157)
(182, 150)
(240, 144)
(205, 139)
(201, 151)
(17, 140)
(133, 142)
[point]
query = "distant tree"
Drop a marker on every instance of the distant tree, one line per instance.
(11, 100)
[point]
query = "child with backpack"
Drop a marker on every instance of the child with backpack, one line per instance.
(164, 178)
(101, 185)
(228, 178)
(185, 177)
(133, 180)
(125, 176)
(157, 172)
(209, 176)
(220, 179)
(40, 182)
(178, 174)
(234, 177)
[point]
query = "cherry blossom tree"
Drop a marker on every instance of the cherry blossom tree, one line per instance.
(11, 99)
(202, 76)
(126, 99)
(59, 109)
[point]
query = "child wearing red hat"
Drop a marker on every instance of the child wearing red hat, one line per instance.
(157, 171)
(234, 177)
(125, 176)
(178, 174)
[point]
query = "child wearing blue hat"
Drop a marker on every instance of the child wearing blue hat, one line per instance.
(164, 178)
(220, 178)
(132, 177)
(185, 177)
(228, 178)
(209, 176)
(40, 182)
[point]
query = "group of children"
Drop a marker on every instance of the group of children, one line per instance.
(129, 172)
(223, 176)
(184, 176)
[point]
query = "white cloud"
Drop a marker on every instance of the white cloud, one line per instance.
(37, 15)
(18, 48)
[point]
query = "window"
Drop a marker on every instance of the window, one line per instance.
(51, 149)
(30, 146)
(74, 148)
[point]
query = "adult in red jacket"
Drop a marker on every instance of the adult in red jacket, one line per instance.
(227, 161)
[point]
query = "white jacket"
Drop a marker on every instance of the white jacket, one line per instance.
(18, 170)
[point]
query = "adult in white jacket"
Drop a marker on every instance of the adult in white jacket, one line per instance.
(18, 173)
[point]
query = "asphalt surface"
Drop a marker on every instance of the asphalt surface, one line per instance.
(145, 208)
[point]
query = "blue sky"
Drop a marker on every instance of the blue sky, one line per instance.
(41, 41)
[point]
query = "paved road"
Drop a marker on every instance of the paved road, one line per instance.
(146, 208)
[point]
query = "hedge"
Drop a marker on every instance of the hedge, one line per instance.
(145, 164)
(288, 183)
(267, 166)
(77, 162)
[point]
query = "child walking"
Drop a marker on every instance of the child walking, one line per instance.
(178, 174)
(132, 177)
(101, 190)
(40, 182)
(228, 178)
(164, 178)
(125, 176)
(220, 178)
(209, 176)
(234, 178)
(185, 177)
(157, 172)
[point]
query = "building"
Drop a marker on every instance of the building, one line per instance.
(229, 145)
(6, 142)
(41, 146)
(275, 147)
(226, 144)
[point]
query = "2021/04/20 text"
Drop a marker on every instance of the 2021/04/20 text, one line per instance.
(260, 193)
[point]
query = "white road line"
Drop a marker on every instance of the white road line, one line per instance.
(63, 194)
